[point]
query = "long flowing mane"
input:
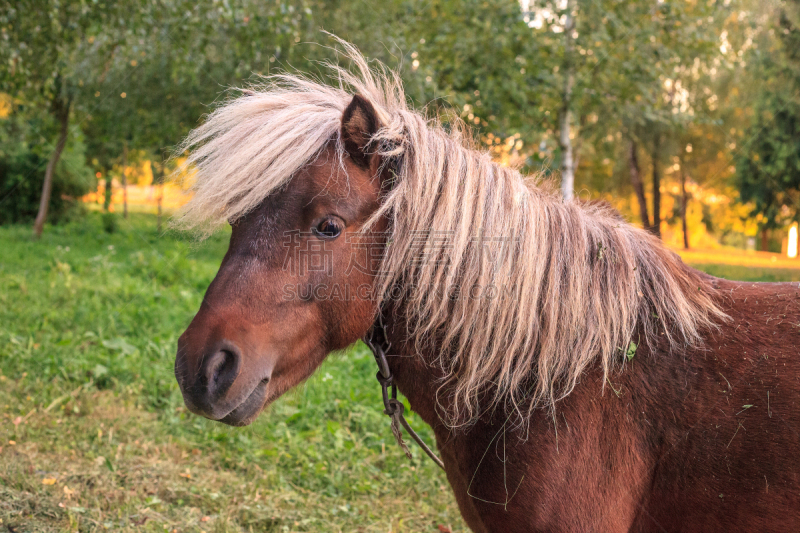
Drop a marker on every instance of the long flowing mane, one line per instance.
(546, 288)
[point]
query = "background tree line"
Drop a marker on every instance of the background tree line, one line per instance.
(686, 115)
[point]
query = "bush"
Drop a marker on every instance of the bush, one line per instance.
(109, 222)
(21, 180)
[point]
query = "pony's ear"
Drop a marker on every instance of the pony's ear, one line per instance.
(359, 124)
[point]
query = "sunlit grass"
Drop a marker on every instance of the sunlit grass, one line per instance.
(739, 258)
(743, 265)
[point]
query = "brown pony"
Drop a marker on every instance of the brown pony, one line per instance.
(577, 375)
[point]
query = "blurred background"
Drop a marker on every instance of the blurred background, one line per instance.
(685, 115)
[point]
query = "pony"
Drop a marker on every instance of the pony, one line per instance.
(576, 374)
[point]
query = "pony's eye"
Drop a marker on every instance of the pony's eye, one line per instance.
(329, 228)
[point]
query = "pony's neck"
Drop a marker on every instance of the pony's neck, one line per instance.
(519, 291)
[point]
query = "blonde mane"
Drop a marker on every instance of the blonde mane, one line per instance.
(516, 291)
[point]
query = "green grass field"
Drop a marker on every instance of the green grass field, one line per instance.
(94, 435)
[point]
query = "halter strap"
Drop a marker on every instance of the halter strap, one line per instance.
(377, 341)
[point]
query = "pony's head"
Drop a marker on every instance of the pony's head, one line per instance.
(297, 280)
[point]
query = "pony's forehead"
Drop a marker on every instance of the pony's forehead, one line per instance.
(254, 144)
(329, 178)
(249, 149)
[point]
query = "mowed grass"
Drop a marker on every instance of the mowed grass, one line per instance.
(94, 435)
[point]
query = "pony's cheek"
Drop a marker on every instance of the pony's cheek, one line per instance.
(294, 366)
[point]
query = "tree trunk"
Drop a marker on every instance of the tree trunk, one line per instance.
(764, 239)
(124, 180)
(684, 201)
(656, 227)
(160, 179)
(684, 204)
(61, 110)
(638, 186)
(567, 160)
(108, 191)
(160, 200)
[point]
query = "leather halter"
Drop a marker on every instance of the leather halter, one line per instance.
(377, 341)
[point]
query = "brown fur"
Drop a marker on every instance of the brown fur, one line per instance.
(671, 447)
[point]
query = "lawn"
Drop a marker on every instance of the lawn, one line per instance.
(94, 435)
(743, 265)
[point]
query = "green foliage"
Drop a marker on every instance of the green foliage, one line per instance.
(153, 90)
(48, 48)
(483, 56)
(768, 168)
(142, 76)
(47, 45)
(138, 75)
(631, 351)
(623, 54)
(769, 171)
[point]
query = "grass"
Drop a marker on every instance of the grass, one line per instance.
(740, 258)
(94, 435)
(743, 265)
(748, 273)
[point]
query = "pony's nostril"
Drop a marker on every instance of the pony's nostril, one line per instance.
(216, 364)
(221, 370)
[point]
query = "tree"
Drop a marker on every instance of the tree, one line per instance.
(153, 90)
(47, 47)
(565, 114)
(608, 63)
(768, 168)
(636, 181)
(23, 159)
(473, 58)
